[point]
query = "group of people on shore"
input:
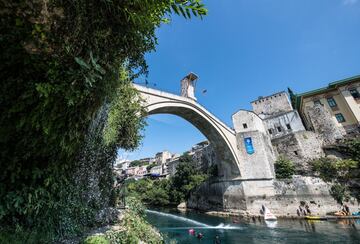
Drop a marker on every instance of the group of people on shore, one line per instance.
(345, 211)
(303, 210)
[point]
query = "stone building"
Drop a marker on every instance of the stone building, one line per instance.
(156, 170)
(136, 171)
(162, 157)
(338, 108)
(172, 165)
(278, 115)
(121, 164)
(280, 130)
(272, 105)
(257, 154)
(202, 155)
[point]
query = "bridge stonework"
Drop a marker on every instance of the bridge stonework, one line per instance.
(242, 176)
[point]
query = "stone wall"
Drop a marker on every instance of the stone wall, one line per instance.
(282, 197)
(323, 124)
(260, 164)
(218, 195)
(300, 147)
(289, 195)
(271, 105)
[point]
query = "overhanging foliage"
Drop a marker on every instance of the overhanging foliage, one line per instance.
(61, 61)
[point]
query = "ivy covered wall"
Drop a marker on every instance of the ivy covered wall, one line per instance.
(66, 103)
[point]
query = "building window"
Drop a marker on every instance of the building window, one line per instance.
(270, 131)
(245, 125)
(288, 126)
(317, 102)
(340, 118)
(331, 102)
(279, 128)
(354, 93)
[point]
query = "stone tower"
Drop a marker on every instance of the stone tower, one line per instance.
(188, 86)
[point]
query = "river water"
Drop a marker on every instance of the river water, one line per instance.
(175, 226)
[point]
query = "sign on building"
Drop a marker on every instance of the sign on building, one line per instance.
(249, 145)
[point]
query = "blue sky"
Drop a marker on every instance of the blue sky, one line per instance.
(249, 48)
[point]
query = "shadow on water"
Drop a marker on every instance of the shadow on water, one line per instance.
(175, 226)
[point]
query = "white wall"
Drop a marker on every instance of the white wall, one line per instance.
(252, 121)
(292, 118)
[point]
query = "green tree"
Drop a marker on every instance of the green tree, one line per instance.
(284, 168)
(163, 192)
(186, 177)
(335, 170)
(158, 194)
(340, 173)
(339, 192)
(352, 148)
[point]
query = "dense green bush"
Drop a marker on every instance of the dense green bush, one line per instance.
(186, 179)
(152, 192)
(339, 192)
(351, 147)
(284, 168)
(134, 226)
(334, 170)
(98, 239)
(62, 63)
(136, 229)
(339, 173)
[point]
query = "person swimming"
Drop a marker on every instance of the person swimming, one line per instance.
(200, 236)
(217, 240)
(192, 232)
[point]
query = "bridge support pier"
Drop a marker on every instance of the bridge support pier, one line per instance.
(232, 195)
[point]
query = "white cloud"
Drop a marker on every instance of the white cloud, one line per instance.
(350, 2)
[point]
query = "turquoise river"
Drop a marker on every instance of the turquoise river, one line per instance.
(175, 227)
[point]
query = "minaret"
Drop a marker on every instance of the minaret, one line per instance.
(188, 86)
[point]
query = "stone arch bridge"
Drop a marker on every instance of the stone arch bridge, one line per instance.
(220, 136)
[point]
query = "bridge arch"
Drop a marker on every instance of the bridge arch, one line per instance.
(221, 137)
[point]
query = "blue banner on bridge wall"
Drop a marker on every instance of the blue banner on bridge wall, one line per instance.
(248, 145)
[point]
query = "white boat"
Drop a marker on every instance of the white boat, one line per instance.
(268, 215)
